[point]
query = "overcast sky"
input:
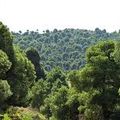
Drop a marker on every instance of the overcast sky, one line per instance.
(60, 14)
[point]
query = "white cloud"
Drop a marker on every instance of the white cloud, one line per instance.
(50, 14)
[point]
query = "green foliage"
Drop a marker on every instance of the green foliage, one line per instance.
(64, 48)
(101, 73)
(56, 78)
(93, 113)
(57, 103)
(73, 103)
(21, 113)
(39, 92)
(5, 64)
(73, 77)
(116, 53)
(6, 117)
(100, 53)
(91, 93)
(5, 91)
(21, 79)
(93, 90)
(85, 99)
(55, 48)
(6, 39)
(34, 57)
(61, 105)
(17, 73)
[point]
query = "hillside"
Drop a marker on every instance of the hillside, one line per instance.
(64, 48)
(28, 92)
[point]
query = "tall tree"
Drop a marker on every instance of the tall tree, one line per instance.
(15, 67)
(21, 79)
(34, 57)
(101, 73)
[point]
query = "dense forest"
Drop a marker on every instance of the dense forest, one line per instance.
(64, 48)
(60, 75)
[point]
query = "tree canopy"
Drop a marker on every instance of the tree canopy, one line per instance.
(87, 89)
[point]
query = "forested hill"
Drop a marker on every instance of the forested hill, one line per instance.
(64, 48)
(27, 92)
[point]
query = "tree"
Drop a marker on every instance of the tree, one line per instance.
(21, 79)
(102, 73)
(6, 40)
(34, 57)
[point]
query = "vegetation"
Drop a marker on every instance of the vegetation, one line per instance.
(64, 48)
(91, 92)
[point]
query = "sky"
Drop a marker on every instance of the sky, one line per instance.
(60, 14)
